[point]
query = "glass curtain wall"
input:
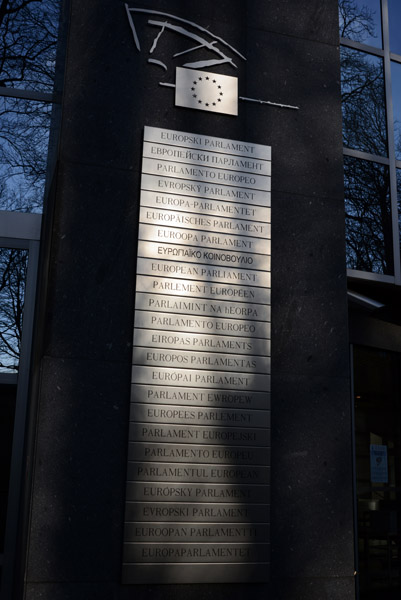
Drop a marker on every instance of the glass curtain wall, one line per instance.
(370, 34)
(29, 108)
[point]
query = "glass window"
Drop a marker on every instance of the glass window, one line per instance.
(13, 269)
(360, 21)
(363, 102)
(396, 92)
(394, 17)
(24, 135)
(28, 33)
(368, 216)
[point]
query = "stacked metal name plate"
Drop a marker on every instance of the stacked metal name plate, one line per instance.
(197, 501)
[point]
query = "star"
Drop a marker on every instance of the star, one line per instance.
(192, 89)
(193, 95)
(207, 103)
(199, 101)
(219, 87)
(195, 82)
(218, 99)
(200, 78)
(221, 93)
(214, 81)
(214, 103)
(207, 78)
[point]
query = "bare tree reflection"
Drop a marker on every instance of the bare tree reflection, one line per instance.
(363, 102)
(368, 216)
(24, 134)
(28, 33)
(367, 193)
(396, 93)
(13, 268)
(28, 30)
(356, 23)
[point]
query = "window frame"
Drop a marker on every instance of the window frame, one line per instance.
(387, 57)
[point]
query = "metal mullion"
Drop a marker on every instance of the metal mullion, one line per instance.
(14, 243)
(23, 94)
(395, 57)
(19, 225)
(362, 47)
(390, 142)
(370, 276)
(383, 160)
(354, 473)
(8, 378)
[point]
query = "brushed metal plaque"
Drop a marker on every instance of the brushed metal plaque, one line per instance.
(173, 185)
(218, 208)
(201, 552)
(220, 274)
(156, 394)
(179, 170)
(204, 256)
(204, 307)
(197, 453)
(199, 156)
(189, 434)
(206, 142)
(169, 218)
(196, 378)
(200, 239)
(196, 532)
(193, 512)
(200, 360)
(198, 474)
(199, 341)
(171, 414)
(196, 289)
(188, 473)
(196, 324)
(139, 491)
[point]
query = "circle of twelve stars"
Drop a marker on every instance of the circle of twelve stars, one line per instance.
(211, 88)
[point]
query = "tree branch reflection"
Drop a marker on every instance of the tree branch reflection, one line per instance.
(368, 216)
(13, 268)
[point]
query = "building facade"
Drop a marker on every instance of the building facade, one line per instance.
(294, 495)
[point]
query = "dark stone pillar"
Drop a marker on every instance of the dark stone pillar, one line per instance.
(111, 93)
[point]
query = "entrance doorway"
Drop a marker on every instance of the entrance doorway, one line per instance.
(377, 398)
